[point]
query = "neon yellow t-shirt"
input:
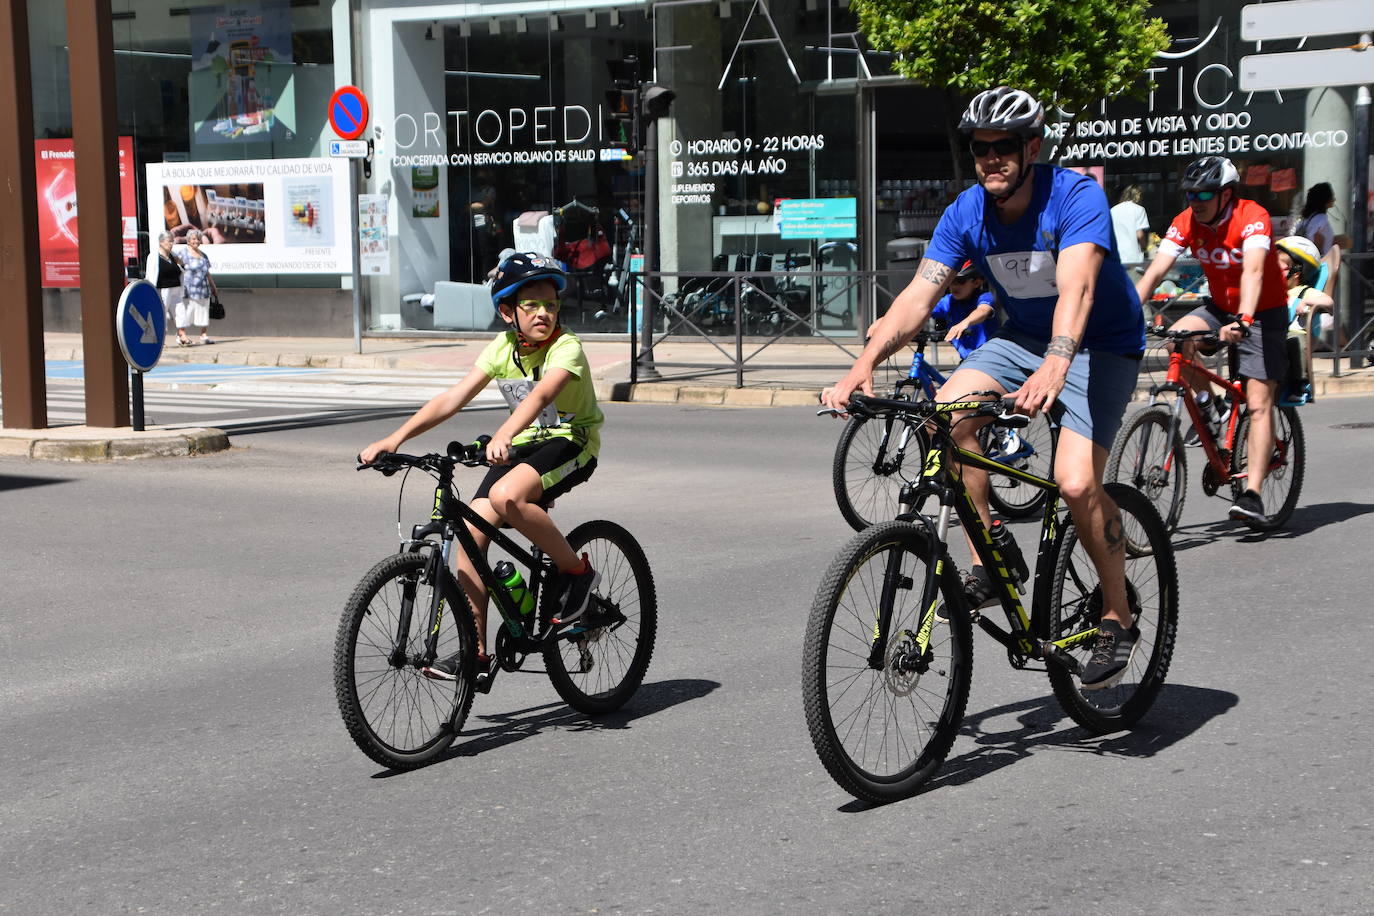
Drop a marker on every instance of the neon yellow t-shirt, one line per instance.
(575, 414)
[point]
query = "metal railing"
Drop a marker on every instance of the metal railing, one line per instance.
(1357, 269)
(753, 310)
(736, 311)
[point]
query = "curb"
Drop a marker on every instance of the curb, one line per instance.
(84, 443)
(780, 396)
(284, 360)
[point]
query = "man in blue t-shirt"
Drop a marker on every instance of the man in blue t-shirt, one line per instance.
(1071, 342)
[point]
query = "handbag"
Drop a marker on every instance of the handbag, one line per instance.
(216, 307)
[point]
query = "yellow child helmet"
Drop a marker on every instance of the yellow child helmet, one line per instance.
(1302, 251)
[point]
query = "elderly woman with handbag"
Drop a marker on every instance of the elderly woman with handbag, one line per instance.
(199, 289)
(164, 272)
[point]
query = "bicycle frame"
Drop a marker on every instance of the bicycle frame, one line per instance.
(449, 520)
(1218, 454)
(1027, 637)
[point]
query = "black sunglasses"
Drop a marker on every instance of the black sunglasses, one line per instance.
(1004, 147)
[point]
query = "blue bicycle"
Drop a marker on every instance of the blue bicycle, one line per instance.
(868, 469)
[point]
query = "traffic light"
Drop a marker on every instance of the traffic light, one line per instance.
(622, 104)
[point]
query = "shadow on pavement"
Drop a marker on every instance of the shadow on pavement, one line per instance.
(500, 729)
(1040, 723)
(1304, 520)
(23, 481)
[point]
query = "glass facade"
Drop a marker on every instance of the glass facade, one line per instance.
(786, 146)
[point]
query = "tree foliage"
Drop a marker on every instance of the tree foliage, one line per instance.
(1069, 52)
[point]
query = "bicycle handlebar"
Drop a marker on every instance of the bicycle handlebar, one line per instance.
(1001, 408)
(1204, 337)
(471, 455)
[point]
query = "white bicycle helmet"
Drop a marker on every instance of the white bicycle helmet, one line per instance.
(1210, 173)
(1004, 108)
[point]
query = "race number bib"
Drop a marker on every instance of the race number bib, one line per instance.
(1025, 274)
(515, 390)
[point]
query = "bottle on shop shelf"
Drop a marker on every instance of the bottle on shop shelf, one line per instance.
(514, 583)
(1009, 550)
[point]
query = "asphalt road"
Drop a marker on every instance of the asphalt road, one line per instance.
(171, 742)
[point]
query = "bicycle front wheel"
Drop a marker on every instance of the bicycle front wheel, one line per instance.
(867, 470)
(1076, 606)
(883, 715)
(596, 670)
(1283, 484)
(1030, 449)
(1143, 457)
(396, 715)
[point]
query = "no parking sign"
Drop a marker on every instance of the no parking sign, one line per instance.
(348, 112)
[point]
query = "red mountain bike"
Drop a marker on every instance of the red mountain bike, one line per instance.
(1149, 453)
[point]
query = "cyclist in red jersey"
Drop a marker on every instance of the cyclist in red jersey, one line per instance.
(1232, 240)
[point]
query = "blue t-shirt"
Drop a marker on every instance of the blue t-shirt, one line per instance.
(1019, 260)
(952, 311)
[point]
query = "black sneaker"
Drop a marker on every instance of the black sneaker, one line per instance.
(444, 669)
(978, 588)
(1111, 654)
(577, 591)
(1248, 507)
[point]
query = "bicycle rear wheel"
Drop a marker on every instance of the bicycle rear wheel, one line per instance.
(1283, 484)
(396, 715)
(1141, 457)
(1076, 606)
(599, 668)
(867, 471)
(1030, 449)
(883, 726)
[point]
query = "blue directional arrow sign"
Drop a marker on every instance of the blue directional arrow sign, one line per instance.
(141, 325)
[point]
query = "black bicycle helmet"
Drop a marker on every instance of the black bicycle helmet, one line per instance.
(525, 267)
(969, 269)
(1210, 173)
(1004, 108)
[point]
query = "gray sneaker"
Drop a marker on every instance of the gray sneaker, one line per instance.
(1112, 653)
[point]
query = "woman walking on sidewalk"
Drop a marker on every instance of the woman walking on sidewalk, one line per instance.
(164, 272)
(199, 286)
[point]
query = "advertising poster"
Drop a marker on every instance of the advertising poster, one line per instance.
(57, 233)
(241, 72)
(424, 183)
(259, 216)
(374, 246)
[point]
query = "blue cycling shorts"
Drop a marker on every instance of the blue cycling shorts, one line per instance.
(1096, 392)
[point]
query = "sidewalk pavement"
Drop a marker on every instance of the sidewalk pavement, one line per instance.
(783, 374)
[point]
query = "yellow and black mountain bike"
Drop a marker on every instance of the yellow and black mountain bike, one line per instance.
(888, 655)
(409, 611)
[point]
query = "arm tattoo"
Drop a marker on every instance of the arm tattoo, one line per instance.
(934, 271)
(891, 345)
(1062, 345)
(1114, 535)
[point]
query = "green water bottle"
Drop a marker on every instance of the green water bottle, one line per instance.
(510, 577)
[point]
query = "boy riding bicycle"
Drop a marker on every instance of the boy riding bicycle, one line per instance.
(547, 446)
(969, 309)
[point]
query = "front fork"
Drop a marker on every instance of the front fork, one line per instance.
(894, 581)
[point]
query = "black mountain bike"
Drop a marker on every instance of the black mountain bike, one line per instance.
(409, 611)
(871, 465)
(888, 655)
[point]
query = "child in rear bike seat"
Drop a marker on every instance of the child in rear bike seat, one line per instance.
(547, 446)
(968, 309)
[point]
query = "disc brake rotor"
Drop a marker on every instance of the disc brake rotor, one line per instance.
(900, 676)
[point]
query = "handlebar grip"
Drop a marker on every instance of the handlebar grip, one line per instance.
(474, 451)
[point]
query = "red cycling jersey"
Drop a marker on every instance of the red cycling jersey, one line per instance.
(1220, 251)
